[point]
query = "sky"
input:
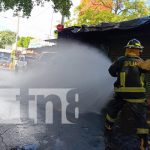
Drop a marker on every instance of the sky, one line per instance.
(41, 24)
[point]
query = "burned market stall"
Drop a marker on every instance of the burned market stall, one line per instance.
(112, 37)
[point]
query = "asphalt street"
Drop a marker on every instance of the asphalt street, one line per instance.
(17, 130)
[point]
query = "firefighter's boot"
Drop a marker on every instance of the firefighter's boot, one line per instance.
(108, 135)
(144, 142)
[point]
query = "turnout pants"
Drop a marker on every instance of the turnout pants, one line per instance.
(137, 107)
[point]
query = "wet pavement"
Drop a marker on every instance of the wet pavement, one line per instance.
(85, 134)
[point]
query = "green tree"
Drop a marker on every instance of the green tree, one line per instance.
(121, 10)
(135, 9)
(26, 6)
(24, 41)
(7, 38)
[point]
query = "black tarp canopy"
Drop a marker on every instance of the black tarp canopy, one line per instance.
(113, 36)
(126, 25)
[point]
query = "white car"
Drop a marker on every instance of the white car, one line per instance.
(21, 63)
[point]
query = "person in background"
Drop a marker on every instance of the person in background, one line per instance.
(12, 56)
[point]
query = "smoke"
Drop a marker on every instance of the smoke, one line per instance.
(75, 66)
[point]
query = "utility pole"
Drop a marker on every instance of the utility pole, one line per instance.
(51, 25)
(14, 50)
(17, 31)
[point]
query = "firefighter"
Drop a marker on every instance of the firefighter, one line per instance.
(128, 88)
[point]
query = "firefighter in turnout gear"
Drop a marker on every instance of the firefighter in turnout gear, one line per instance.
(129, 88)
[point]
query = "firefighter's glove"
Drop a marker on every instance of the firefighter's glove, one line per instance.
(145, 65)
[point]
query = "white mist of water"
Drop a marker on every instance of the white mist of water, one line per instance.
(75, 66)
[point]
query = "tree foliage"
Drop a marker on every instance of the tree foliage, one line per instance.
(98, 5)
(121, 10)
(26, 6)
(24, 41)
(7, 38)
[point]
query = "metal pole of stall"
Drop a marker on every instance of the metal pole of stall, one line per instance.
(62, 19)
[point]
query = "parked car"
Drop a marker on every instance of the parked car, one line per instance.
(25, 62)
(5, 60)
(45, 57)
